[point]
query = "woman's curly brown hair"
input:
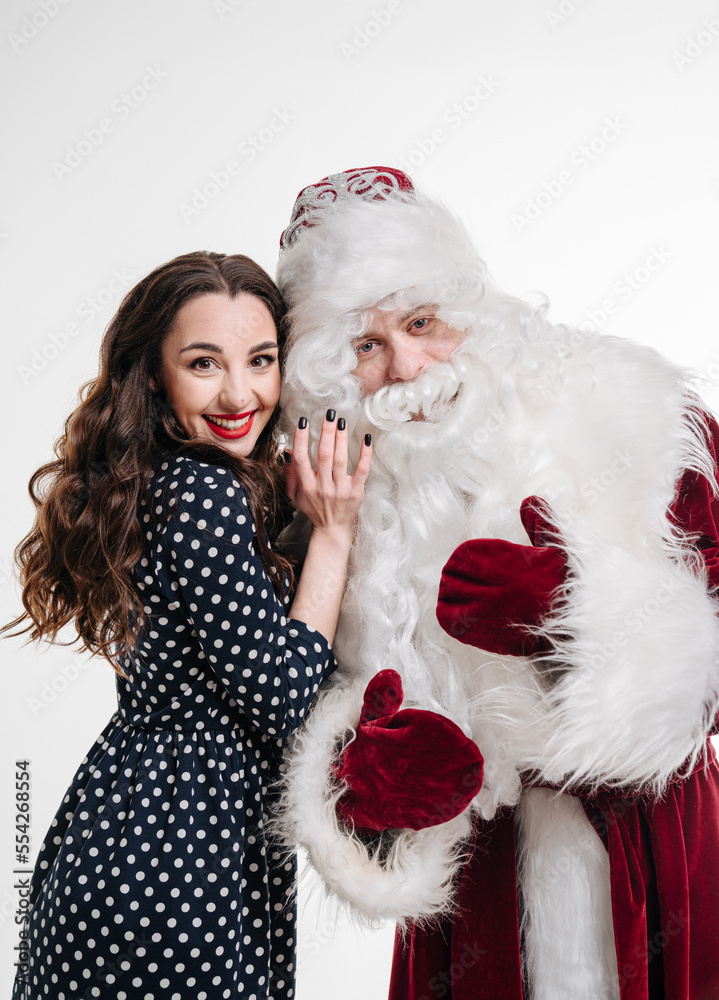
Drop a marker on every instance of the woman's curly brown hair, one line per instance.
(76, 564)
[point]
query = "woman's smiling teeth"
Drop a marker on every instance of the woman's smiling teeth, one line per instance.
(230, 425)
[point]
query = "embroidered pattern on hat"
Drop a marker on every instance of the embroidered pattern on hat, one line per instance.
(367, 183)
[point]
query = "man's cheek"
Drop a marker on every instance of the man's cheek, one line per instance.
(371, 380)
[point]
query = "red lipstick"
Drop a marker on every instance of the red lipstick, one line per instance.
(230, 432)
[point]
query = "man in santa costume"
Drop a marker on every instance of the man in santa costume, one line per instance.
(513, 761)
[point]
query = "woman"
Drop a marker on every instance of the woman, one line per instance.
(158, 879)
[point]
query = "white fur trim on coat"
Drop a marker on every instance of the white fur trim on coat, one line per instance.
(637, 692)
(568, 930)
(413, 879)
(629, 695)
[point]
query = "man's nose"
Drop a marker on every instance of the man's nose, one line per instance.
(406, 362)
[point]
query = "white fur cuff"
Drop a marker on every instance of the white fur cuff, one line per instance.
(414, 881)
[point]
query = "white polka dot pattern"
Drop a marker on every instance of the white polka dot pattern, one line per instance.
(158, 880)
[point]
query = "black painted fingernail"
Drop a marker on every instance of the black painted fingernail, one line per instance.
(302, 423)
(368, 439)
(330, 415)
(341, 424)
(286, 455)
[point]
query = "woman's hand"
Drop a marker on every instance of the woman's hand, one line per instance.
(329, 497)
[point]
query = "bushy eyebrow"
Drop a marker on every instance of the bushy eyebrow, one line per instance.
(403, 319)
(203, 345)
(412, 312)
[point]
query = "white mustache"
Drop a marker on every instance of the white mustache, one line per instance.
(395, 404)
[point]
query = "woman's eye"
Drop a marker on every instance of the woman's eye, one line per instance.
(262, 361)
(202, 364)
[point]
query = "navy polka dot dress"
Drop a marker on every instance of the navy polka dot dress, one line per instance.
(157, 879)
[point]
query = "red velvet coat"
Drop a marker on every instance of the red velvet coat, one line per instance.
(664, 872)
(665, 899)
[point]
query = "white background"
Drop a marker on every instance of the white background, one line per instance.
(487, 103)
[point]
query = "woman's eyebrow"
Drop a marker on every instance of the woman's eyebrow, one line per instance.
(263, 347)
(202, 345)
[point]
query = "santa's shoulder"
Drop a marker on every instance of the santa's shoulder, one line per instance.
(601, 410)
(611, 358)
(605, 379)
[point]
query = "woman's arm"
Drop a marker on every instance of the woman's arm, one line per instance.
(331, 499)
(205, 564)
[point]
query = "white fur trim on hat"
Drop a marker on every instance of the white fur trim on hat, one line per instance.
(359, 252)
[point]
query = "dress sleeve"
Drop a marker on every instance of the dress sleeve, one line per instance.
(271, 666)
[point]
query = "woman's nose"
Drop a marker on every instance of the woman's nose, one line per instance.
(235, 392)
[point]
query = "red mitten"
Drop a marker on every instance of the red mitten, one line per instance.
(491, 590)
(405, 769)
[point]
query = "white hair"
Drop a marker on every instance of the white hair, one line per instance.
(430, 477)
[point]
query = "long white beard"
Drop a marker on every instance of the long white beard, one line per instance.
(436, 482)
(416, 510)
(454, 453)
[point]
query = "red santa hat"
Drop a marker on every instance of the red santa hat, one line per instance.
(358, 236)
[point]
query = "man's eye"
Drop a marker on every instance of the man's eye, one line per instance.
(420, 324)
(366, 347)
